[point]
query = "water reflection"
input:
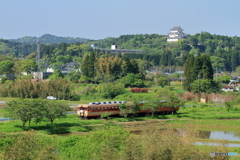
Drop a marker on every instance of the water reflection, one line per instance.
(5, 119)
(223, 135)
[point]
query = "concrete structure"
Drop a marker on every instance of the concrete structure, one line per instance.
(41, 75)
(175, 34)
(114, 50)
(113, 46)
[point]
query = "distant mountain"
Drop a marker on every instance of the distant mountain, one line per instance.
(48, 38)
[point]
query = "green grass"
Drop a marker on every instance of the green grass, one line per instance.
(187, 115)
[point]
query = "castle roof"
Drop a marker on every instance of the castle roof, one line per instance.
(176, 28)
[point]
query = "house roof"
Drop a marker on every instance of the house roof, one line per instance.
(228, 86)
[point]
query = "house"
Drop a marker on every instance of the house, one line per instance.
(175, 34)
(227, 88)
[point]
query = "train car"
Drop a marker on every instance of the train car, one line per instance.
(96, 109)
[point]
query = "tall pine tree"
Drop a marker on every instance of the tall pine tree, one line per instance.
(207, 70)
(189, 72)
(88, 65)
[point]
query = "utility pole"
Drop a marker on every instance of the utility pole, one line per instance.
(181, 79)
(216, 73)
(198, 88)
(38, 56)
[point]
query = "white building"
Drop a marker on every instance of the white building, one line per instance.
(175, 34)
(227, 88)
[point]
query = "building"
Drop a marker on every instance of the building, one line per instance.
(114, 49)
(175, 34)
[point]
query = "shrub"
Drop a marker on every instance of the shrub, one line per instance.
(133, 80)
(110, 90)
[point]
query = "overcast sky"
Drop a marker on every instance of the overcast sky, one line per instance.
(98, 19)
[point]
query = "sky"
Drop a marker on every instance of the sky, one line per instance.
(99, 19)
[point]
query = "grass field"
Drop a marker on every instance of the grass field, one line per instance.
(196, 116)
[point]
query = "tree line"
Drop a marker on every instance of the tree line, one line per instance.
(35, 109)
(223, 50)
(198, 72)
(60, 88)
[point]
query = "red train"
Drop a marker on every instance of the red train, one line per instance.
(96, 109)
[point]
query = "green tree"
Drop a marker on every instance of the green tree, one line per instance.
(182, 44)
(91, 65)
(207, 70)
(217, 62)
(135, 105)
(198, 65)
(134, 67)
(23, 109)
(234, 60)
(164, 59)
(56, 75)
(6, 67)
(189, 72)
(63, 59)
(171, 99)
(224, 79)
(152, 105)
(126, 66)
(125, 110)
(193, 41)
(54, 109)
(133, 80)
(228, 105)
(84, 65)
(27, 66)
(205, 85)
(88, 65)
(162, 80)
(111, 90)
(73, 76)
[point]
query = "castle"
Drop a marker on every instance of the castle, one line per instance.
(175, 34)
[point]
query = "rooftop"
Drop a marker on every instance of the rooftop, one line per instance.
(176, 28)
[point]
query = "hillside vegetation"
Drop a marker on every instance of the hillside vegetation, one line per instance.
(224, 50)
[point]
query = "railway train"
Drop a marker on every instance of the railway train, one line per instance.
(96, 109)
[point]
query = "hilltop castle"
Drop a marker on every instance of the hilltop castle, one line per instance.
(175, 34)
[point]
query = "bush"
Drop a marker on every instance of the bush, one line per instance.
(133, 80)
(110, 90)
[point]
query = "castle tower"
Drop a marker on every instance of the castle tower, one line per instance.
(175, 34)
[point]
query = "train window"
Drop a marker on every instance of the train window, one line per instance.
(84, 108)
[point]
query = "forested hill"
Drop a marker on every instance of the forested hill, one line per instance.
(48, 38)
(223, 50)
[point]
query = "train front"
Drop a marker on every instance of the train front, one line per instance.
(81, 110)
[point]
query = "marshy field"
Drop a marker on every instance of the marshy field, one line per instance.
(206, 127)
